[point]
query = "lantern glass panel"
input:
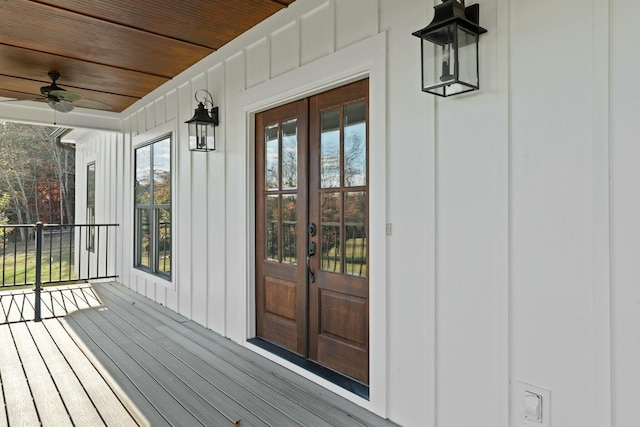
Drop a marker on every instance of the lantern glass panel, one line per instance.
(467, 57)
(201, 136)
(193, 136)
(450, 61)
(438, 57)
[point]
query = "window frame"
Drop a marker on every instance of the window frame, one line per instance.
(91, 206)
(153, 210)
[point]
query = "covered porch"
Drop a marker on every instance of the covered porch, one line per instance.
(121, 359)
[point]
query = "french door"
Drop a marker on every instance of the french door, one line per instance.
(312, 287)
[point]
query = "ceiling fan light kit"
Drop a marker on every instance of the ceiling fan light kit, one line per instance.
(61, 106)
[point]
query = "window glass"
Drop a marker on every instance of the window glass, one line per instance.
(355, 145)
(330, 149)
(290, 155)
(143, 173)
(153, 207)
(272, 158)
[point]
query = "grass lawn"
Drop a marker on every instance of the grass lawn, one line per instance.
(18, 261)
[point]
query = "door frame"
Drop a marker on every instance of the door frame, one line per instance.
(365, 59)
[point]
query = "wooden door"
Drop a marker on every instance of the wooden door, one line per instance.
(281, 221)
(338, 205)
(316, 302)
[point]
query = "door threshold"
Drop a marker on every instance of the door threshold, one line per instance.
(349, 384)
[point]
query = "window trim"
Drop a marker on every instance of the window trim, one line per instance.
(152, 271)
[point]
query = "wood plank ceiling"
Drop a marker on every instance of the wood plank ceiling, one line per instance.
(114, 51)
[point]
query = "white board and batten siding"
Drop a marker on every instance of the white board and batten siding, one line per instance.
(503, 222)
(106, 151)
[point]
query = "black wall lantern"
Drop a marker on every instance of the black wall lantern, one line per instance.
(449, 49)
(203, 124)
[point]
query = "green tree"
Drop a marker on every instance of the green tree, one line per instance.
(35, 175)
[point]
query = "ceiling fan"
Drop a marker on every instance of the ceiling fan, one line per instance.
(63, 100)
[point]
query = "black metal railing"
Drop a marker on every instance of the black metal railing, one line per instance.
(346, 255)
(349, 257)
(289, 241)
(43, 254)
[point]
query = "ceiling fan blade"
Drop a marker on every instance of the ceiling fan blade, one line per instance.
(22, 99)
(66, 95)
(91, 104)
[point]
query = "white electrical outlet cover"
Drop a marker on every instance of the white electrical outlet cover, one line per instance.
(532, 405)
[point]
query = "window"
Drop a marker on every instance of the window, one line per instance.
(153, 207)
(91, 204)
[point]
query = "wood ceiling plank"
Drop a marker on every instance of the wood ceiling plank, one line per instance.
(115, 51)
(74, 73)
(210, 23)
(85, 38)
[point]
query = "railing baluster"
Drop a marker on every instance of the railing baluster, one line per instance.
(26, 256)
(50, 254)
(38, 287)
(15, 259)
(71, 265)
(60, 253)
(4, 252)
(97, 251)
(106, 256)
(79, 254)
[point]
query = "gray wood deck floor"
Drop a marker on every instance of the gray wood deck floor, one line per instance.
(130, 361)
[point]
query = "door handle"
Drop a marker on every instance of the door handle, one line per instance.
(310, 253)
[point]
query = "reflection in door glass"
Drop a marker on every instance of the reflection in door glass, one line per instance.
(355, 228)
(271, 228)
(290, 154)
(271, 158)
(330, 232)
(289, 238)
(330, 149)
(355, 145)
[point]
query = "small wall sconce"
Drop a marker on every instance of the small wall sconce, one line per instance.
(203, 124)
(449, 49)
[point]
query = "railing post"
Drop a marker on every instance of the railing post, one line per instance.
(38, 287)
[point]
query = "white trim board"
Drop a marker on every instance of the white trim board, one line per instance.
(363, 59)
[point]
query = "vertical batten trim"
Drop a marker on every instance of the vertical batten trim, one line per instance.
(602, 256)
(299, 34)
(334, 25)
(225, 202)
(504, 179)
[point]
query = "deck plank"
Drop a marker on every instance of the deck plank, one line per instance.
(180, 383)
(4, 419)
(20, 409)
(73, 395)
(207, 361)
(286, 386)
(134, 362)
(306, 407)
(108, 402)
(157, 404)
(15, 307)
(45, 393)
(245, 397)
